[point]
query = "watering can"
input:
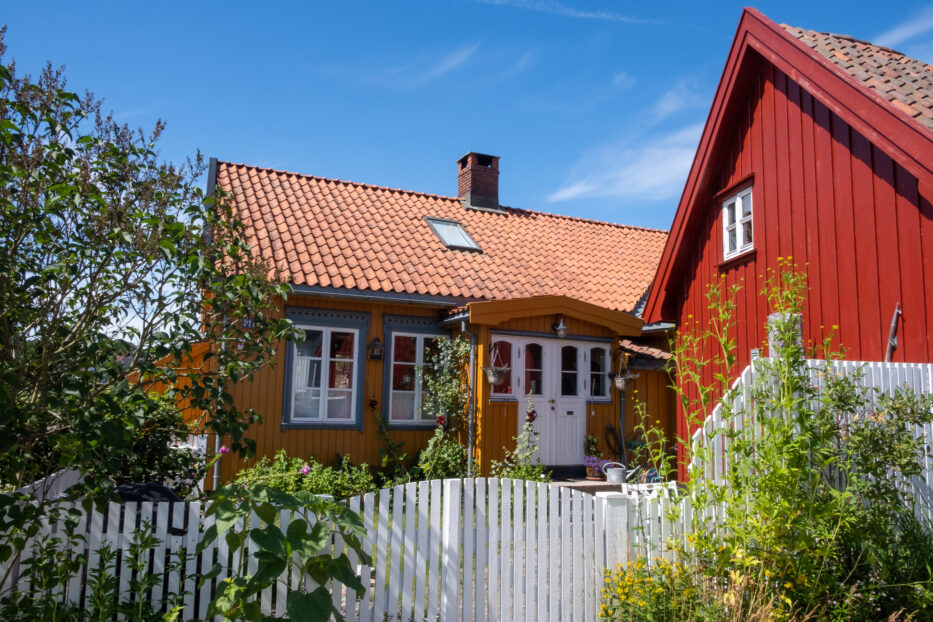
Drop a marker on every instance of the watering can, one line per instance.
(616, 474)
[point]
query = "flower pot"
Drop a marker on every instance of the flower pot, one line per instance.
(594, 474)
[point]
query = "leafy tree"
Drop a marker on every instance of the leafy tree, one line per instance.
(113, 266)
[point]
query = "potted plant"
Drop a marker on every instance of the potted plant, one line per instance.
(593, 457)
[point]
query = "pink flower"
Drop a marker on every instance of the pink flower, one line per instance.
(223, 450)
(305, 470)
(441, 420)
(531, 416)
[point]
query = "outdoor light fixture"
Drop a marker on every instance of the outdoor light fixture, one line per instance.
(376, 348)
(560, 327)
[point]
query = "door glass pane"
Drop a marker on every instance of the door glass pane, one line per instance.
(403, 348)
(534, 369)
(598, 372)
(341, 375)
(311, 346)
(338, 404)
(501, 356)
(568, 366)
(403, 406)
(341, 345)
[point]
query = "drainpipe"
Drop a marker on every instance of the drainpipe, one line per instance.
(471, 403)
(622, 428)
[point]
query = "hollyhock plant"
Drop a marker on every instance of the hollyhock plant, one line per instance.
(531, 416)
(223, 450)
(305, 470)
(441, 420)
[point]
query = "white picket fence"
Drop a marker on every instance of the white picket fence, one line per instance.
(473, 549)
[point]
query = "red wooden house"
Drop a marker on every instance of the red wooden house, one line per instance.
(818, 147)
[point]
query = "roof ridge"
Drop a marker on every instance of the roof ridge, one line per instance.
(440, 196)
(854, 40)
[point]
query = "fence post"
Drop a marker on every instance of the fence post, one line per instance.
(615, 519)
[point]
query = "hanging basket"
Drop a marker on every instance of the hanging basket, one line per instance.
(621, 381)
(495, 375)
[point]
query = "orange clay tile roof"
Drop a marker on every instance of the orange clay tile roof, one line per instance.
(331, 233)
(905, 82)
(641, 349)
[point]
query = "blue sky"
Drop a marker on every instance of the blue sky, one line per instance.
(594, 107)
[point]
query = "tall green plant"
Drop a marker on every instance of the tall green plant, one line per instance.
(812, 517)
(445, 380)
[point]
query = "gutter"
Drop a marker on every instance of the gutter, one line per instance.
(471, 401)
(361, 295)
(658, 327)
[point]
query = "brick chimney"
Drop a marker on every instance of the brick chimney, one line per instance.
(478, 181)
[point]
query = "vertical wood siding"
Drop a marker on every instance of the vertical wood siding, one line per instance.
(265, 394)
(844, 211)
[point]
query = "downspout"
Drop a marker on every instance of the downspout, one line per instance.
(892, 335)
(471, 400)
(211, 191)
(622, 458)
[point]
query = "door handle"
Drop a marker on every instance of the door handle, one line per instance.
(550, 401)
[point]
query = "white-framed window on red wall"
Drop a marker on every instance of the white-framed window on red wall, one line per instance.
(737, 224)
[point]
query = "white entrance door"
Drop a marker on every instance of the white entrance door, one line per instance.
(552, 372)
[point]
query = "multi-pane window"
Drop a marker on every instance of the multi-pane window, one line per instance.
(568, 371)
(324, 376)
(599, 372)
(501, 356)
(406, 398)
(737, 230)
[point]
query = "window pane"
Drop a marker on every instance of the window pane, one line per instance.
(597, 359)
(307, 373)
(403, 377)
(307, 404)
(403, 348)
(746, 205)
(598, 385)
(403, 406)
(501, 356)
(730, 213)
(534, 382)
(533, 356)
(338, 404)
(568, 383)
(568, 358)
(453, 234)
(311, 346)
(747, 233)
(341, 345)
(731, 245)
(341, 375)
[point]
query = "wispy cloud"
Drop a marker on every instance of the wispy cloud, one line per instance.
(556, 8)
(655, 169)
(919, 24)
(682, 96)
(420, 72)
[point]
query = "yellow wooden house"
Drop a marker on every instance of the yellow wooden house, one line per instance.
(551, 305)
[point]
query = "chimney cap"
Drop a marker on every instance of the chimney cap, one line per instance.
(481, 159)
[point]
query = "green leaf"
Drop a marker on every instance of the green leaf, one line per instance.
(270, 540)
(313, 607)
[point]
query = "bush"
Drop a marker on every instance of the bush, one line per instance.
(811, 519)
(291, 475)
(520, 463)
(444, 457)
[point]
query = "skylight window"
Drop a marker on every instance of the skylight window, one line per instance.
(452, 234)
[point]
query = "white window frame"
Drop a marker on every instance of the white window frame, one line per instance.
(419, 417)
(325, 359)
(740, 199)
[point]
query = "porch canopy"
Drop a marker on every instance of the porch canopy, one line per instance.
(494, 312)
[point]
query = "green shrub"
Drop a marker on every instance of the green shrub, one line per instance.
(292, 475)
(811, 518)
(520, 463)
(444, 457)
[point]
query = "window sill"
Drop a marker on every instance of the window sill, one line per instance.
(502, 398)
(736, 260)
(324, 425)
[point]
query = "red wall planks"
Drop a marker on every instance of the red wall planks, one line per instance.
(825, 195)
